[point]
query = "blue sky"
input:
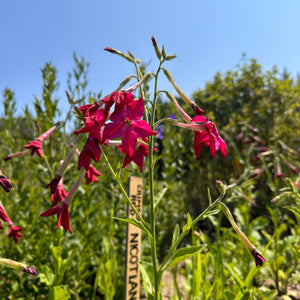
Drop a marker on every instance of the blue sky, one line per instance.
(207, 36)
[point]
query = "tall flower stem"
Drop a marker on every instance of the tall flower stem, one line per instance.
(152, 239)
(184, 233)
(125, 194)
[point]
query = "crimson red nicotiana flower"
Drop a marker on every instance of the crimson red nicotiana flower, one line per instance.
(140, 151)
(14, 232)
(3, 215)
(35, 146)
(90, 151)
(62, 210)
(62, 213)
(91, 175)
(59, 194)
(205, 132)
(119, 98)
(94, 124)
(209, 138)
(5, 183)
(127, 124)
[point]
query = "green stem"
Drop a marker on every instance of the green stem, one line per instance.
(152, 239)
(125, 194)
(184, 233)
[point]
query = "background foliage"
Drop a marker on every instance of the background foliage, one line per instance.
(257, 114)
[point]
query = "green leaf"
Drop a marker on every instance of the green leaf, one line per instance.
(186, 228)
(157, 199)
(133, 221)
(148, 279)
(296, 252)
(46, 275)
(182, 254)
(175, 234)
(58, 293)
(235, 277)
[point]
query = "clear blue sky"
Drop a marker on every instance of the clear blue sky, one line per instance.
(207, 36)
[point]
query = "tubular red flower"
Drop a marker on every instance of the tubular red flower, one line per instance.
(90, 151)
(94, 124)
(140, 151)
(5, 183)
(126, 123)
(91, 175)
(62, 213)
(59, 194)
(14, 232)
(209, 138)
(35, 147)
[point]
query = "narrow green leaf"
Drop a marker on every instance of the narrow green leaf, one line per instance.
(188, 225)
(157, 199)
(235, 277)
(131, 221)
(209, 196)
(175, 234)
(182, 254)
(148, 279)
(210, 213)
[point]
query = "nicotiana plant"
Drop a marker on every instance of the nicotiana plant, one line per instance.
(126, 119)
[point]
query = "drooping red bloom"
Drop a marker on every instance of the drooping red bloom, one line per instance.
(14, 232)
(259, 259)
(89, 110)
(292, 167)
(90, 151)
(59, 194)
(53, 184)
(119, 98)
(62, 213)
(209, 138)
(127, 124)
(140, 151)
(94, 124)
(35, 147)
(5, 183)
(91, 175)
(3, 215)
(279, 173)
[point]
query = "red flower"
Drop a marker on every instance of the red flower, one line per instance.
(279, 173)
(59, 194)
(35, 147)
(127, 124)
(62, 213)
(209, 138)
(119, 98)
(91, 175)
(94, 124)
(53, 184)
(14, 232)
(89, 110)
(259, 260)
(5, 183)
(140, 151)
(3, 214)
(90, 151)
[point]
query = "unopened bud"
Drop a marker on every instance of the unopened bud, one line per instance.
(221, 187)
(157, 51)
